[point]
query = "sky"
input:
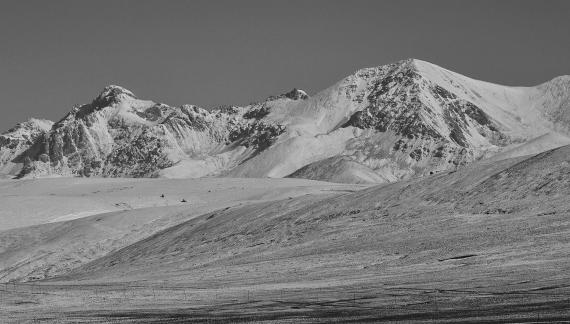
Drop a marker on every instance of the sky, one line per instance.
(54, 54)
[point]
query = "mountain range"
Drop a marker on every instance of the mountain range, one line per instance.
(378, 125)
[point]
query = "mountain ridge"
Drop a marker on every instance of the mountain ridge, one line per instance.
(400, 120)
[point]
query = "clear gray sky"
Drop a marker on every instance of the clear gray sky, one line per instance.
(58, 53)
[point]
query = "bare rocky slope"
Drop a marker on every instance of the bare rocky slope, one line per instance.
(381, 124)
(17, 140)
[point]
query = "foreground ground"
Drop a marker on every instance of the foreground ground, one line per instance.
(488, 243)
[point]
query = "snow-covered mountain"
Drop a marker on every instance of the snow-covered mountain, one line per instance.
(17, 140)
(379, 124)
(410, 118)
(118, 134)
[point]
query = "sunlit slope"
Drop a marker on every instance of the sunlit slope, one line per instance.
(31, 202)
(501, 225)
(139, 210)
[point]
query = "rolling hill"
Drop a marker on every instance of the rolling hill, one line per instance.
(484, 242)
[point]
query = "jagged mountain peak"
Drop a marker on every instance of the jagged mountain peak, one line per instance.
(413, 64)
(413, 69)
(29, 125)
(113, 101)
(113, 94)
(17, 140)
(28, 129)
(294, 94)
(409, 64)
(115, 90)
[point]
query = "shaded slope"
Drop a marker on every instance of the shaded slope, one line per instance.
(537, 145)
(340, 169)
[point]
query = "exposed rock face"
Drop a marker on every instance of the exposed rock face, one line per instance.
(119, 135)
(295, 94)
(379, 124)
(433, 128)
(19, 139)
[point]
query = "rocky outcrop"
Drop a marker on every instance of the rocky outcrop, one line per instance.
(16, 141)
(294, 94)
(435, 129)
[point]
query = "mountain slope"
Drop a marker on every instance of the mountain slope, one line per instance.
(542, 143)
(490, 227)
(409, 118)
(50, 226)
(15, 141)
(120, 135)
(339, 169)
